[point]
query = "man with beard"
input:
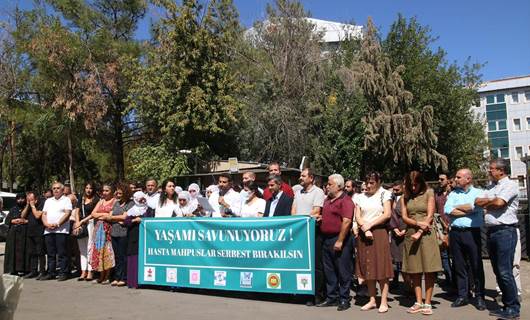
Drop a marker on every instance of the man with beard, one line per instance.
(16, 258)
(309, 201)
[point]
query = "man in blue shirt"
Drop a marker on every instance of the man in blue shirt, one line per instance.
(464, 238)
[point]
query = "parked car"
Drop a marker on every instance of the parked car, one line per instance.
(9, 201)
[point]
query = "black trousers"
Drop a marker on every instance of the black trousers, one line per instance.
(466, 245)
(338, 268)
(119, 246)
(56, 246)
(37, 259)
(320, 280)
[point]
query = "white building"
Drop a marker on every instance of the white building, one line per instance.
(505, 107)
(332, 32)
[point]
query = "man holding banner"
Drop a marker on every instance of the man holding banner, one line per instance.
(337, 215)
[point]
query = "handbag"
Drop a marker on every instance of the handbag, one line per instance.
(441, 236)
(83, 230)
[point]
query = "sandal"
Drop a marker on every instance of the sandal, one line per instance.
(368, 306)
(383, 308)
(426, 310)
(416, 308)
(114, 283)
(121, 284)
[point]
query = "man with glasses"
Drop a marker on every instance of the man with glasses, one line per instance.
(55, 218)
(501, 202)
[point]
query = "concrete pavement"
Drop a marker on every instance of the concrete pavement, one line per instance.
(52, 300)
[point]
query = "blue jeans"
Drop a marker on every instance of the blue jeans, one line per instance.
(501, 247)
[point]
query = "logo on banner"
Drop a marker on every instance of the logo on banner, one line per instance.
(274, 281)
(219, 278)
(245, 279)
(171, 275)
(303, 282)
(149, 274)
(195, 276)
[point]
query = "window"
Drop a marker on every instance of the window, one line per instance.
(521, 181)
(491, 99)
(527, 96)
(518, 153)
(497, 125)
(500, 98)
(504, 153)
(516, 124)
(528, 123)
(515, 97)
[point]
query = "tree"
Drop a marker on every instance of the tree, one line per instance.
(185, 89)
(285, 74)
(451, 91)
(395, 133)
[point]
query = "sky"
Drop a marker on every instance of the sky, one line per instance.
(493, 32)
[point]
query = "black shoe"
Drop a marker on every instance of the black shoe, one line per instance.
(62, 277)
(481, 304)
(459, 302)
(504, 314)
(310, 303)
(328, 303)
(41, 275)
(48, 277)
(31, 275)
(343, 305)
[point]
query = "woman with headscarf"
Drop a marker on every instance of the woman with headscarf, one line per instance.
(194, 191)
(133, 217)
(16, 259)
(183, 209)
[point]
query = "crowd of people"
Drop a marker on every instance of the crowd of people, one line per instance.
(367, 234)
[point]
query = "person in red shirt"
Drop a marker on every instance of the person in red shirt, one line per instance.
(337, 215)
(274, 169)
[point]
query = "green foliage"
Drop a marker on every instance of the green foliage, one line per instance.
(449, 89)
(186, 89)
(155, 161)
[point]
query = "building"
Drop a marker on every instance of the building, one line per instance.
(505, 109)
(332, 32)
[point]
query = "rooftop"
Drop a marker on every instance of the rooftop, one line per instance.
(506, 83)
(331, 31)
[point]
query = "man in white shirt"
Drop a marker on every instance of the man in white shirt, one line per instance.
(309, 201)
(229, 200)
(55, 218)
(153, 196)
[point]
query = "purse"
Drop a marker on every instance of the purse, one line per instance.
(83, 230)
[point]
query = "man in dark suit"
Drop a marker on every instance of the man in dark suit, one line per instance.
(280, 203)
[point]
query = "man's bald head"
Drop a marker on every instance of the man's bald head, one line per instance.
(464, 178)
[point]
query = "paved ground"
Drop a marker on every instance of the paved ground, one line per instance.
(52, 300)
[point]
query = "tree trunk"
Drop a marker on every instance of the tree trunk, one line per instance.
(117, 122)
(70, 159)
(12, 156)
